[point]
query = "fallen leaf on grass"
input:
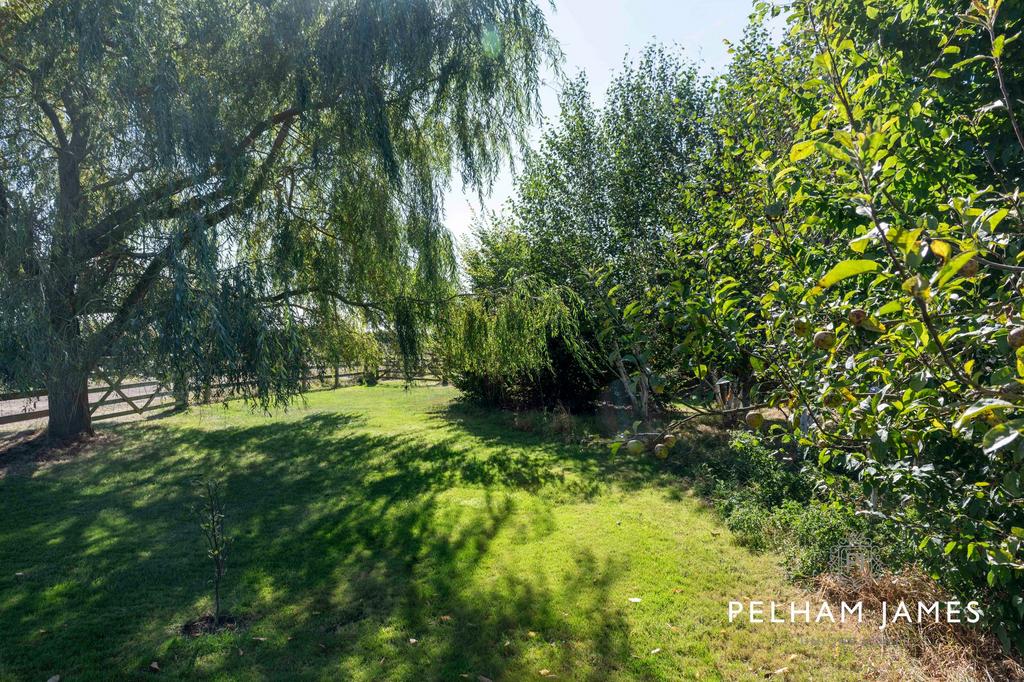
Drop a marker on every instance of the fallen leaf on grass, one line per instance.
(154, 667)
(412, 641)
(635, 600)
(780, 671)
(260, 639)
(55, 678)
(655, 651)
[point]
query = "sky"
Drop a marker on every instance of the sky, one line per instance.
(596, 35)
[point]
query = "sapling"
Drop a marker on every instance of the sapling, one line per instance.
(210, 514)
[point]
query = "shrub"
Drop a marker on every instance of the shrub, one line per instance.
(564, 381)
(814, 531)
(770, 505)
(749, 522)
(745, 469)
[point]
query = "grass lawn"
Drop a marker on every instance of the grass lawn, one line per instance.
(383, 534)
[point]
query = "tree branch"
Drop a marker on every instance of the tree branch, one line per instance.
(117, 224)
(51, 115)
(104, 338)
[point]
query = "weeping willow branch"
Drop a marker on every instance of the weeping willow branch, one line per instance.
(507, 332)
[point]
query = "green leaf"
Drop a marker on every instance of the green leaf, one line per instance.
(873, 325)
(847, 268)
(965, 62)
(776, 209)
(860, 244)
(997, 46)
(833, 151)
(952, 267)
(889, 308)
(1002, 376)
(980, 408)
(997, 217)
(801, 150)
(998, 437)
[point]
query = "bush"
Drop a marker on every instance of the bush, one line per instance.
(770, 505)
(564, 382)
(813, 532)
(746, 468)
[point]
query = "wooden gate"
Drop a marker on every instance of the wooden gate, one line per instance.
(138, 396)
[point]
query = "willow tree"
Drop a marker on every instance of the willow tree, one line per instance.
(203, 178)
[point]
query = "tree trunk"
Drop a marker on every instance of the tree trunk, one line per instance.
(639, 411)
(67, 380)
(179, 390)
(68, 399)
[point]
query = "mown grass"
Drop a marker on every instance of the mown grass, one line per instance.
(382, 534)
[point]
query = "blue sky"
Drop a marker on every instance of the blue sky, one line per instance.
(595, 36)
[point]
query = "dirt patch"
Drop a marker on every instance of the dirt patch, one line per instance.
(25, 452)
(205, 625)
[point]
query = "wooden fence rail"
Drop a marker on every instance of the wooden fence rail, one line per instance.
(139, 396)
(145, 396)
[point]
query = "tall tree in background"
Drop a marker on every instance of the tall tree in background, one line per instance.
(185, 173)
(598, 198)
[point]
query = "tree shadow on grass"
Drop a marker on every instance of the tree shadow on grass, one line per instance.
(345, 540)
